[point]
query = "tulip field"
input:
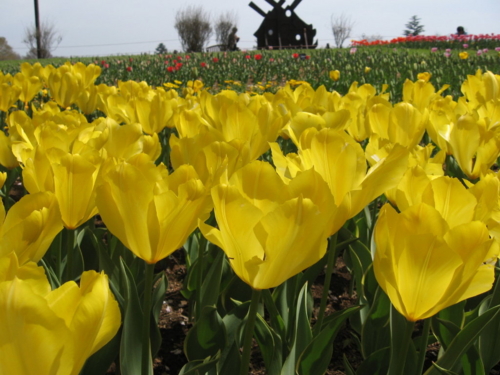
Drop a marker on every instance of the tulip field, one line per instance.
(313, 212)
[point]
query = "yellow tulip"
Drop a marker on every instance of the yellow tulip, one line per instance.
(340, 160)
(74, 185)
(424, 266)
(475, 148)
(209, 155)
(52, 332)
(403, 124)
(7, 158)
(66, 162)
(30, 86)
(463, 55)
(425, 76)
(30, 227)
(481, 88)
(367, 69)
(151, 212)
(8, 96)
(269, 230)
(432, 254)
(64, 86)
(334, 75)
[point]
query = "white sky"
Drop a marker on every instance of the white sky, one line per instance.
(109, 27)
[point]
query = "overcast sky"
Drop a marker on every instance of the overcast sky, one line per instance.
(109, 27)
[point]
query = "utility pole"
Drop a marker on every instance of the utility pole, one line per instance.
(37, 26)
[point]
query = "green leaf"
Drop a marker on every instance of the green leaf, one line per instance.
(88, 249)
(441, 370)
(200, 366)
(231, 362)
(370, 285)
(157, 304)
(270, 346)
(303, 333)
(131, 342)
(211, 283)
(233, 322)
(464, 339)
(100, 361)
(471, 363)
(375, 332)
(376, 364)
(444, 330)
(489, 340)
(317, 355)
(207, 337)
(275, 318)
(348, 368)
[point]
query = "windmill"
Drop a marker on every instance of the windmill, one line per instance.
(282, 28)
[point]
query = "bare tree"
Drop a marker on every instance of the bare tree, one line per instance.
(49, 40)
(193, 26)
(6, 51)
(341, 29)
(223, 26)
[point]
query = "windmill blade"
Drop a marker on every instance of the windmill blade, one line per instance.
(257, 9)
(295, 4)
(272, 3)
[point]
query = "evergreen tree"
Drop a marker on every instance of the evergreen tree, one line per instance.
(413, 27)
(161, 49)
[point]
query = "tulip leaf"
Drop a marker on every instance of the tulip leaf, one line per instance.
(303, 333)
(489, 340)
(233, 322)
(275, 318)
(347, 366)
(88, 249)
(442, 371)
(446, 324)
(99, 362)
(375, 331)
(131, 343)
(270, 346)
(444, 330)
(209, 293)
(317, 355)
(231, 362)
(376, 363)
(157, 304)
(207, 337)
(471, 363)
(200, 366)
(370, 285)
(464, 339)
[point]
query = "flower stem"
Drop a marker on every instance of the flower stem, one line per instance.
(247, 338)
(70, 248)
(401, 331)
(422, 347)
(202, 243)
(146, 344)
(332, 256)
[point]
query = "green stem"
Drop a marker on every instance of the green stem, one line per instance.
(146, 305)
(70, 252)
(401, 331)
(332, 256)
(57, 266)
(247, 338)
(201, 252)
(422, 347)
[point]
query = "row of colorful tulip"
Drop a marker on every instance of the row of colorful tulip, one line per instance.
(480, 41)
